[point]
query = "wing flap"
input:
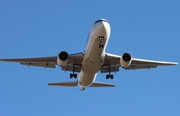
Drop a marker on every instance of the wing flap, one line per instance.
(37, 59)
(111, 68)
(71, 68)
(68, 84)
(39, 64)
(140, 66)
(101, 84)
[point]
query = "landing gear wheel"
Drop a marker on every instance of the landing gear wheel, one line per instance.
(109, 76)
(75, 76)
(71, 75)
(101, 46)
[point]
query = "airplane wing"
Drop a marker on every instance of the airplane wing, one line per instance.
(112, 63)
(48, 62)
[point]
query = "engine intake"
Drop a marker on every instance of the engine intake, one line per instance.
(63, 55)
(62, 58)
(126, 59)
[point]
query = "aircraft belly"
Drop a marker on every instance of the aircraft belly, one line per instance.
(86, 79)
(94, 56)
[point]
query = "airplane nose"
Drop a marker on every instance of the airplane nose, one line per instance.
(100, 25)
(103, 26)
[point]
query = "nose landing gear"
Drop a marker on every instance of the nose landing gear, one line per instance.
(101, 38)
(101, 45)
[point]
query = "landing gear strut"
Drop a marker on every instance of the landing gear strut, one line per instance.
(109, 75)
(73, 74)
(101, 38)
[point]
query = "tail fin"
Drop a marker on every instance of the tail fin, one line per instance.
(71, 84)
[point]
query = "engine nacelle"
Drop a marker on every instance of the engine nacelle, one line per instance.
(126, 59)
(62, 58)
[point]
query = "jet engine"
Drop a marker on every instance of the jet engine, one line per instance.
(62, 58)
(125, 60)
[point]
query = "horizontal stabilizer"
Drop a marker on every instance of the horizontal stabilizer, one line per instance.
(100, 84)
(71, 84)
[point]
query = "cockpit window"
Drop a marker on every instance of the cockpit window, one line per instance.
(100, 20)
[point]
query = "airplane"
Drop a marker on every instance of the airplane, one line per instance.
(93, 59)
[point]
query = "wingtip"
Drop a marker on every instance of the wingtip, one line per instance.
(175, 63)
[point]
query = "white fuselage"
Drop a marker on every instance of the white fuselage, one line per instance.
(94, 55)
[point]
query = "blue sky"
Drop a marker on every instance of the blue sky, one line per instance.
(146, 29)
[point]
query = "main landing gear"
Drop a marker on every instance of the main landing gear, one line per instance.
(109, 76)
(101, 38)
(73, 74)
